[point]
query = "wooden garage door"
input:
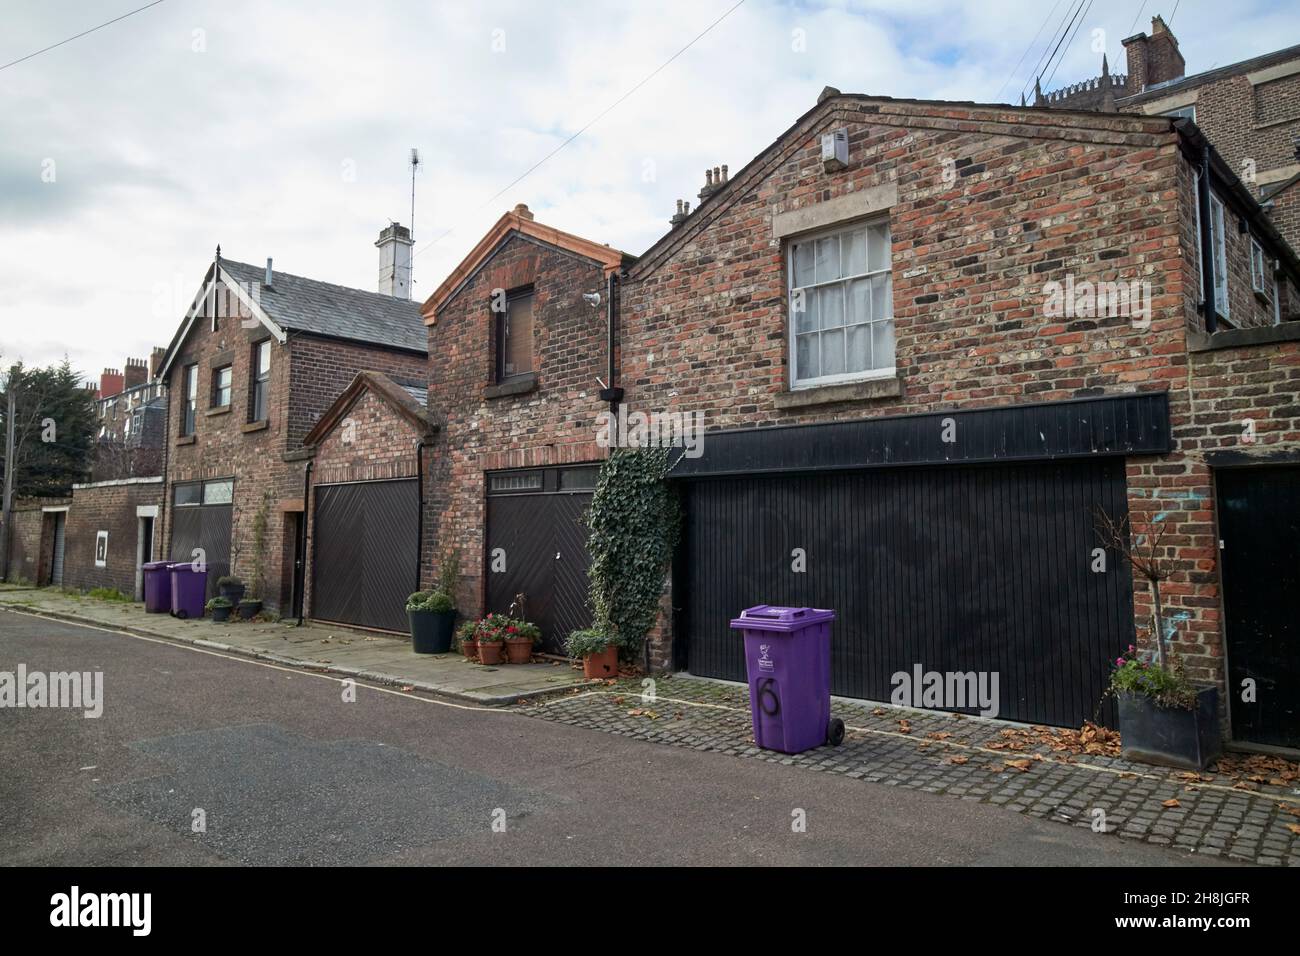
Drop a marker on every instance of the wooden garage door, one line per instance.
(537, 546)
(956, 568)
(364, 552)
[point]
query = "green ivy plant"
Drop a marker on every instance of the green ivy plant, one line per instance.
(634, 520)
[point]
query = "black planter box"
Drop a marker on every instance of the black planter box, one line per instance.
(1170, 736)
(431, 631)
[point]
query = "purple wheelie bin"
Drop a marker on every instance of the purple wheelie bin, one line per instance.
(788, 657)
(189, 589)
(157, 586)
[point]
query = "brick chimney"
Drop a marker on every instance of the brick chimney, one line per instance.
(156, 360)
(110, 383)
(1155, 59)
(136, 373)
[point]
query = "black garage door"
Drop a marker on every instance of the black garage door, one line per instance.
(364, 550)
(954, 568)
(1259, 525)
(537, 546)
(201, 519)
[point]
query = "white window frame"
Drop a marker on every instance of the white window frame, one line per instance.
(1258, 267)
(795, 382)
(1219, 239)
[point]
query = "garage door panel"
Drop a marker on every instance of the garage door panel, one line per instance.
(364, 552)
(954, 568)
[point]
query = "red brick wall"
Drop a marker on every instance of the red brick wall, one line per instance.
(553, 424)
(31, 541)
(108, 506)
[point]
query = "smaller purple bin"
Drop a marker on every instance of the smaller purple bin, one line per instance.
(788, 658)
(189, 589)
(157, 586)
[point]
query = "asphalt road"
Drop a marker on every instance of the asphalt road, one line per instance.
(286, 772)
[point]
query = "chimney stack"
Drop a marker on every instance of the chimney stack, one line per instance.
(270, 274)
(1155, 59)
(156, 360)
(110, 383)
(136, 373)
(523, 212)
(394, 261)
(714, 179)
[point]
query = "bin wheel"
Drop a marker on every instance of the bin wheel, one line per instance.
(835, 732)
(182, 614)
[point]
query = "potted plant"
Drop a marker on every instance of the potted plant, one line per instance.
(492, 638)
(598, 651)
(231, 588)
(248, 609)
(1163, 717)
(467, 637)
(521, 638)
(220, 607)
(433, 619)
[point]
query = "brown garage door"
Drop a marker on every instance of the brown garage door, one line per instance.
(364, 552)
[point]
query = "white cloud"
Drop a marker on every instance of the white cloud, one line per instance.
(163, 152)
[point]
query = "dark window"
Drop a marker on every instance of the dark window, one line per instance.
(221, 380)
(515, 336)
(261, 381)
(191, 393)
(187, 494)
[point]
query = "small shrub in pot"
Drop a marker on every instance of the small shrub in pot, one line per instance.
(597, 650)
(220, 607)
(432, 617)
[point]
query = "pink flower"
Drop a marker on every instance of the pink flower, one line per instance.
(1119, 660)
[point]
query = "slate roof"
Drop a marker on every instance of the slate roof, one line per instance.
(307, 305)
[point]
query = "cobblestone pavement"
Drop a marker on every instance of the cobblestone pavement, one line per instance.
(1214, 814)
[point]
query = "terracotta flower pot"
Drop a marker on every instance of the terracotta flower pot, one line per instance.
(469, 649)
(490, 652)
(602, 665)
(519, 650)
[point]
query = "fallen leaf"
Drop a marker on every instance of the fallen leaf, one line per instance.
(1294, 828)
(904, 727)
(959, 760)
(1022, 765)
(1171, 804)
(1288, 808)
(878, 712)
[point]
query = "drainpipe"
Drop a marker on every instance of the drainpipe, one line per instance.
(613, 393)
(421, 443)
(1207, 241)
(302, 539)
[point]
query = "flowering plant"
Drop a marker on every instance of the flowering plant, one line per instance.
(1167, 686)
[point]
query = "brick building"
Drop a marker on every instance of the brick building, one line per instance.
(37, 541)
(518, 338)
(917, 404)
(1249, 110)
(130, 409)
(366, 483)
(259, 357)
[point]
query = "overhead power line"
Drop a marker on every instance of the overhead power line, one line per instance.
(1015, 69)
(603, 113)
(23, 59)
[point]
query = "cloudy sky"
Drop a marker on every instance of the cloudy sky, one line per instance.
(283, 128)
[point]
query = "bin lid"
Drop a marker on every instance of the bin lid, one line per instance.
(185, 566)
(155, 565)
(772, 617)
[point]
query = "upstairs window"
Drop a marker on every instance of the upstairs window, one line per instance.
(841, 306)
(221, 382)
(258, 408)
(191, 392)
(515, 336)
(1219, 239)
(1258, 268)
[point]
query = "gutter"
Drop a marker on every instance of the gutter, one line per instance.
(302, 539)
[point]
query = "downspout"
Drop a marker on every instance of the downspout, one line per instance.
(302, 539)
(611, 393)
(1207, 241)
(421, 443)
